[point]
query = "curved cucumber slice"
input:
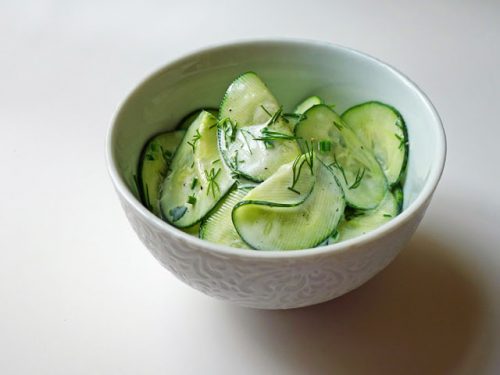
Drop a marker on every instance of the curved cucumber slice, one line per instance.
(198, 179)
(279, 222)
(280, 189)
(382, 130)
(254, 139)
(356, 169)
(357, 223)
(248, 101)
(307, 103)
(191, 116)
(153, 166)
(218, 226)
(193, 230)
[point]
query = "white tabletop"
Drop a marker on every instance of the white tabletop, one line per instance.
(79, 294)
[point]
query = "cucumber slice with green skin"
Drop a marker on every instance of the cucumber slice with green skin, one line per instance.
(382, 130)
(398, 193)
(248, 101)
(280, 189)
(307, 104)
(193, 230)
(357, 223)
(254, 139)
(153, 166)
(191, 116)
(356, 169)
(218, 226)
(198, 178)
(270, 219)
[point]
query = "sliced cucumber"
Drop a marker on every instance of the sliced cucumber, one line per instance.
(248, 101)
(254, 139)
(398, 193)
(198, 178)
(193, 230)
(382, 130)
(356, 223)
(191, 116)
(356, 169)
(269, 218)
(153, 166)
(280, 189)
(307, 103)
(218, 227)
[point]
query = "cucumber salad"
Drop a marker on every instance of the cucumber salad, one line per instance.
(251, 175)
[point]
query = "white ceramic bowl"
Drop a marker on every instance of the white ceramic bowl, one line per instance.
(293, 70)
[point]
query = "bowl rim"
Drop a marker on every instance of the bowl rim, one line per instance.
(406, 215)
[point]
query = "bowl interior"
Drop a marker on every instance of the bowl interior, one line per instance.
(293, 71)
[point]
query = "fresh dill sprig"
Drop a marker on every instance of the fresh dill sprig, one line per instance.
(243, 133)
(338, 126)
(191, 200)
(213, 186)
(387, 215)
(271, 135)
(265, 110)
(166, 154)
(402, 142)
(275, 116)
(357, 180)
(309, 156)
(325, 145)
(229, 128)
(292, 115)
(216, 161)
(234, 165)
(195, 139)
(298, 116)
(297, 165)
(194, 183)
(336, 165)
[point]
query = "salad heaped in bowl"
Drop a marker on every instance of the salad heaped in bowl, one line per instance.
(252, 175)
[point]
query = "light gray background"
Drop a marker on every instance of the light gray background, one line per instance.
(79, 294)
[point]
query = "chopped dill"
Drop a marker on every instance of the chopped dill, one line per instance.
(338, 126)
(243, 133)
(265, 110)
(271, 135)
(325, 145)
(194, 183)
(229, 128)
(402, 142)
(213, 186)
(336, 165)
(357, 180)
(195, 139)
(191, 200)
(297, 165)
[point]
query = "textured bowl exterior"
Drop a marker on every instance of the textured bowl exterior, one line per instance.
(270, 283)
